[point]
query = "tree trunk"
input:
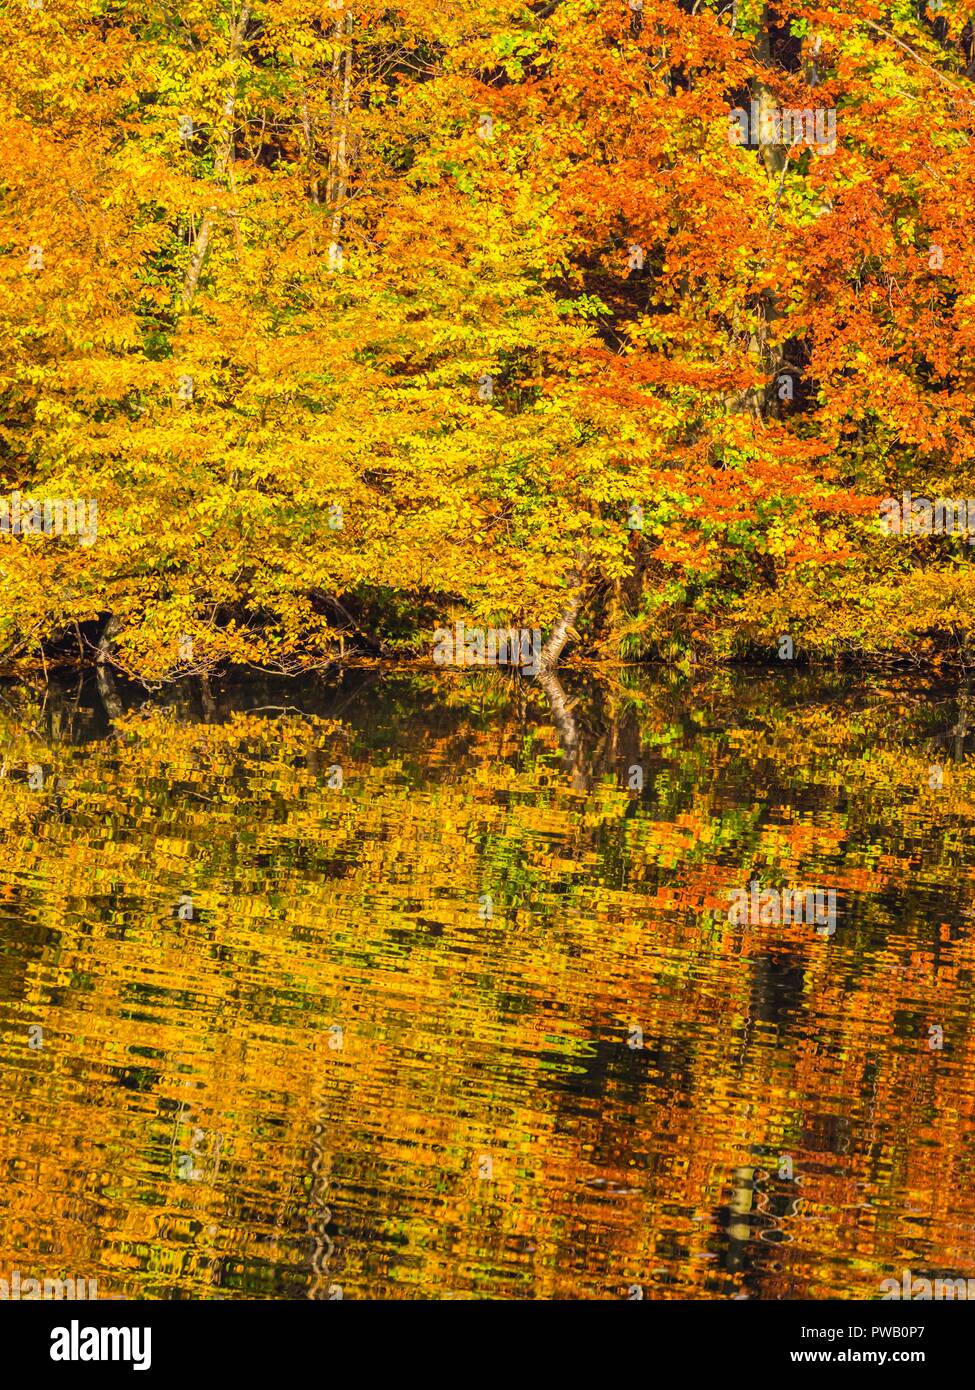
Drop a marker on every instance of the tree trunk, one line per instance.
(563, 628)
(338, 176)
(309, 132)
(111, 630)
(319, 1214)
(114, 709)
(567, 730)
(222, 161)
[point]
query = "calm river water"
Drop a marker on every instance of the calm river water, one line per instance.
(388, 986)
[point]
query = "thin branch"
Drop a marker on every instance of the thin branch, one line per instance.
(916, 56)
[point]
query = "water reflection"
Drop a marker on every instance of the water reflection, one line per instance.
(382, 986)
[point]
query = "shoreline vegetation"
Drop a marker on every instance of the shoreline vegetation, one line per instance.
(627, 324)
(82, 655)
(688, 667)
(595, 718)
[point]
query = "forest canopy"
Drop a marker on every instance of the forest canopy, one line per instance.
(325, 326)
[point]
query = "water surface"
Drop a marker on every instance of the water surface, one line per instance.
(396, 987)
